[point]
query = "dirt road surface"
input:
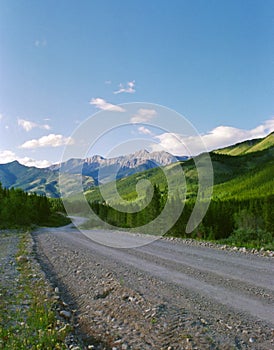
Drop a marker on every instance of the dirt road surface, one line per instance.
(163, 295)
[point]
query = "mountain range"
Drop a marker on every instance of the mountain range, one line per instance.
(45, 180)
(239, 163)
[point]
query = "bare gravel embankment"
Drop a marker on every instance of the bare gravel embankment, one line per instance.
(165, 295)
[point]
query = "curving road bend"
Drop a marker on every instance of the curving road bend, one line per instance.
(166, 294)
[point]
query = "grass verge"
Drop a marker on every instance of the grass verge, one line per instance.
(27, 308)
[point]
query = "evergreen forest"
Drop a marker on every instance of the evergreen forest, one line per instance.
(22, 209)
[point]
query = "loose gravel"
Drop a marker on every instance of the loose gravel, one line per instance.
(171, 294)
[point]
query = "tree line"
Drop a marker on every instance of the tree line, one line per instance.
(247, 220)
(19, 208)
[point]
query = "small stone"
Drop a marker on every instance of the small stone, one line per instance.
(124, 346)
(125, 296)
(63, 328)
(252, 340)
(56, 290)
(65, 314)
(22, 259)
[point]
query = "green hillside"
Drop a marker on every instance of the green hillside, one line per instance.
(240, 212)
(40, 181)
(30, 179)
(248, 146)
(255, 183)
(242, 176)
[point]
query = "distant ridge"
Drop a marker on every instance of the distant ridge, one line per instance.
(254, 154)
(45, 180)
(249, 146)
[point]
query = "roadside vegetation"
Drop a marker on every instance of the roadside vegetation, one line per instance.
(237, 222)
(27, 308)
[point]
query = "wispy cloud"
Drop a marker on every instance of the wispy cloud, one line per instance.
(8, 156)
(51, 140)
(102, 104)
(145, 131)
(129, 88)
(108, 82)
(1, 116)
(221, 136)
(40, 43)
(28, 125)
(143, 115)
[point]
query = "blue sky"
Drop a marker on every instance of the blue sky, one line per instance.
(62, 61)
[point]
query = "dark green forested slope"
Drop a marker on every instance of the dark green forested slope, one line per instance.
(258, 182)
(19, 208)
(242, 206)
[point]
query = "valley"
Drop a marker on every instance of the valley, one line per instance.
(211, 288)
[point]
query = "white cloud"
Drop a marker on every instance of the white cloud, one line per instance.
(32, 162)
(100, 103)
(7, 156)
(28, 125)
(129, 88)
(145, 131)
(1, 116)
(221, 136)
(172, 143)
(143, 115)
(51, 140)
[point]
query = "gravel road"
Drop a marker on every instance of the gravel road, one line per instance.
(164, 295)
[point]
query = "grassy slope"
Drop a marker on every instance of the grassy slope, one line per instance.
(248, 146)
(255, 183)
(244, 176)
